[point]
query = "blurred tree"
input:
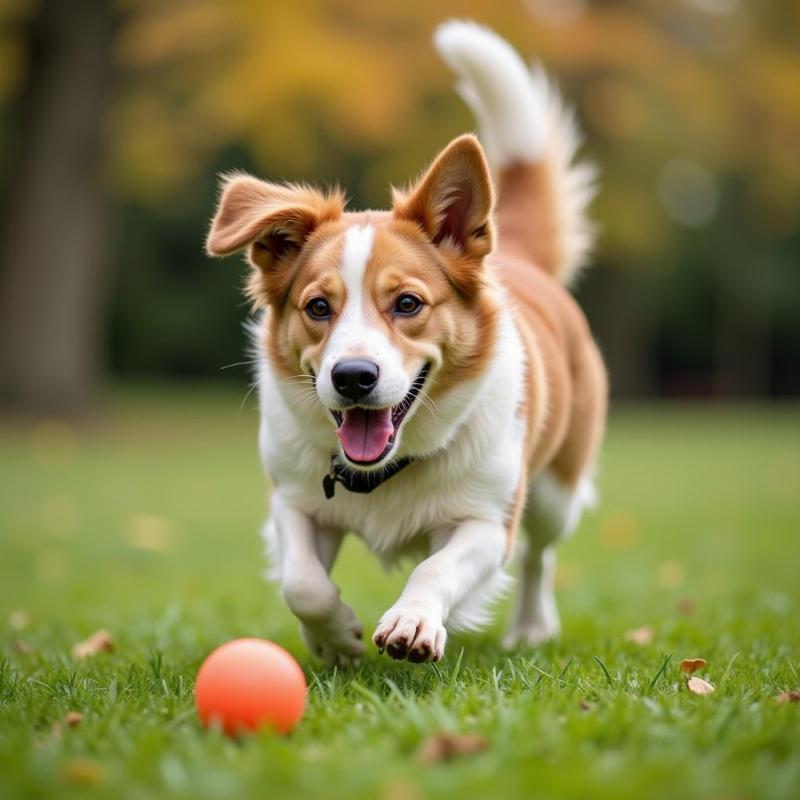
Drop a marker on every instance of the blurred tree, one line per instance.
(55, 263)
(691, 108)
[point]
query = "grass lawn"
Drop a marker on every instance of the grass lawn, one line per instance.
(146, 524)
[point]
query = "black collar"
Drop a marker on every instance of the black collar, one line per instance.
(361, 482)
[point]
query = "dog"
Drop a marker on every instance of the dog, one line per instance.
(426, 379)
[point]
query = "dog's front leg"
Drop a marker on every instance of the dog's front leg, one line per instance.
(305, 554)
(466, 565)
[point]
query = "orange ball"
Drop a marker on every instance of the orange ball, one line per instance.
(248, 684)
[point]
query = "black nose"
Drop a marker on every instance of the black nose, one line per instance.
(355, 378)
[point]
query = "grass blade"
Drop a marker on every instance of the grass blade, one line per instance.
(605, 671)
(456, 669)
(662, 670)
(728, 669)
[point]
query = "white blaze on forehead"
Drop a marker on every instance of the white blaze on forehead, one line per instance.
(357, 249)
(354, 337)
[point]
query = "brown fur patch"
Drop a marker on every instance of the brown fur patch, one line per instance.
(275, 221)
(452, 204)
(450, 211)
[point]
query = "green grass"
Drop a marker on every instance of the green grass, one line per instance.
(700, 513)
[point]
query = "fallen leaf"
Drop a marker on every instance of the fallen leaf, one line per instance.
(699, 686)
(690, 665)
(619, 530)
(83, 770)
(670, 574)
(585, 705)
(19, 619)
(686, 606)
(73, 719)
(99, 642)
(447, 746)
(23, 647)
(788, 697)
(640, 636)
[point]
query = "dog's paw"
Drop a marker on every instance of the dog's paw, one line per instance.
(336, 640)
(411, 633)
(531, 634)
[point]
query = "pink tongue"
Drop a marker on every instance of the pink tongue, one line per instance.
(364, 433)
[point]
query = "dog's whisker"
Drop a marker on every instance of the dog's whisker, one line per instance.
(248, 363)
(253, 387)
(302, 385)
(428, 402)
(307, 398)
(303, 376)
(305, 393)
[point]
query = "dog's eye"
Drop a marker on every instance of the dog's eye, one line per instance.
(407, 305)
(318, 308)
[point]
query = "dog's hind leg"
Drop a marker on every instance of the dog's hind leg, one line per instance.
(552, 513)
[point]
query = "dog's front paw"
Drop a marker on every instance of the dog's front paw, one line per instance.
(412, 633)
(336, 640)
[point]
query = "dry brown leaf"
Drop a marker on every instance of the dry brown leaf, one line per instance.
(699, 686)
(99, 642)
(19, 619)
(690, 665)
(788, 697)
(447, 746)
(83, 770)
(686, 606)
(640, 636)
(73, 719)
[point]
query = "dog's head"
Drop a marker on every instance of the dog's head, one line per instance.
(380, 308)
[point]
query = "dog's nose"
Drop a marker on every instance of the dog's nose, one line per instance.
(354, 378)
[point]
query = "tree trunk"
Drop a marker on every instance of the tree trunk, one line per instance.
(54, 277)
(615, 305)
(742, 346)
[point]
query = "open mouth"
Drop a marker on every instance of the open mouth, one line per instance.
(368, 434)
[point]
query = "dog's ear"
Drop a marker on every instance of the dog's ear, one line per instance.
(453, 201)
(273, 221)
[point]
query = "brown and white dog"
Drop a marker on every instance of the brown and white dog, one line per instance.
(426, 380)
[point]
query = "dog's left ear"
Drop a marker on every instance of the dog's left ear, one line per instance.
(453, 201)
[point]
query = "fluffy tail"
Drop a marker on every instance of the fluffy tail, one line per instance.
(530, 138)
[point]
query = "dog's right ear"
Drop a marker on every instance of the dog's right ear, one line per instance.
(273, 221)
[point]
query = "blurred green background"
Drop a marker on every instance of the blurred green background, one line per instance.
(115, 118)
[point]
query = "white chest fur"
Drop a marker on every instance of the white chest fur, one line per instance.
(467, 454)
